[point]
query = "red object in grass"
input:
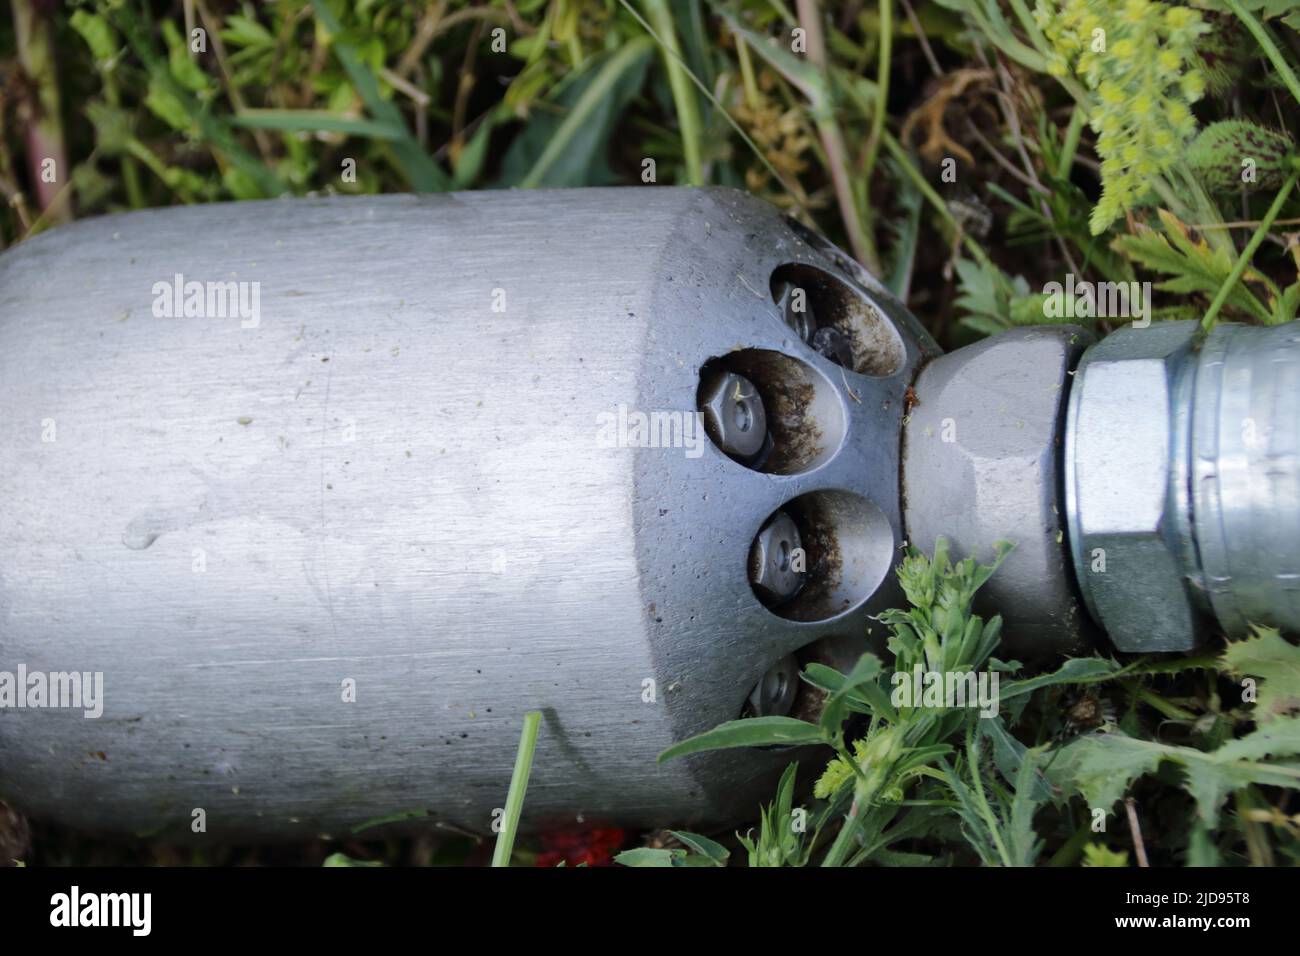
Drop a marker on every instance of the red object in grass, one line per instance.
(592, 847)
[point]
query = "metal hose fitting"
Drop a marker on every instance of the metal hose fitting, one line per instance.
(982, 462)
(1182, 482)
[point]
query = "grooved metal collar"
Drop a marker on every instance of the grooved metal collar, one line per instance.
(1245, 475)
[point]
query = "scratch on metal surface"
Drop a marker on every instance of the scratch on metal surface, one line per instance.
(323, 538)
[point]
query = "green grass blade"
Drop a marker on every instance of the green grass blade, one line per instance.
(627, 58)
(713, 100)
(1265, 39)
(1212, 314)
(688, 107)
(398, 817)
(315, 121)
(518, 787)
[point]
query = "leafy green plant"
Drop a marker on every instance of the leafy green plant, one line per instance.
(1193, 266)
(1101, 767)
(915, 770)
(1095, 854)
(942, 756)
(994, 301)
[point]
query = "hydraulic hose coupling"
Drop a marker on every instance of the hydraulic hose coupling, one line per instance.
(1182, 482)
(1152, 478)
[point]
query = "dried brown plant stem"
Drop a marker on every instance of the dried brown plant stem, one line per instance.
(45, 148)
(832, 138)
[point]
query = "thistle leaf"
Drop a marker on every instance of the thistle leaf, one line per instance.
(1275, 663)
(1101, 767)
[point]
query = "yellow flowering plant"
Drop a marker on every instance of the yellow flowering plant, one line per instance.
(1140, 61)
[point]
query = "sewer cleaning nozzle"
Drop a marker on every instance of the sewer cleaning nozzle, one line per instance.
(325, 493)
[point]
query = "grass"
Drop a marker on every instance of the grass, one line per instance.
(514, 807)
(967, 151)
(913, 783)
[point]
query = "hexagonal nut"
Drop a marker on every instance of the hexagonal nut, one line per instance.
(1122, 479)
(733, 412)
(774, 569)
(773, 695)
(981, 463)
(802, 321)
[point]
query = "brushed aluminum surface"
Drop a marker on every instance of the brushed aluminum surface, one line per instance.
(390, 482)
